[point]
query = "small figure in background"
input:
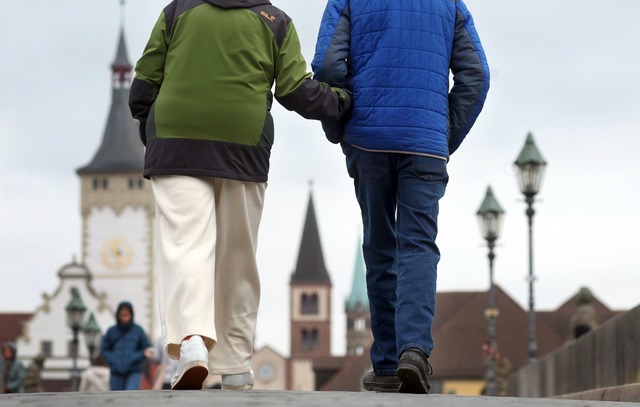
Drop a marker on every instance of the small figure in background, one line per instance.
(124, 348)
(584, 318)
(166, 366)
(11, 371)
(33, 376)
(95, 377)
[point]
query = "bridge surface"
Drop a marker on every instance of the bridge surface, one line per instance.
(260, 398)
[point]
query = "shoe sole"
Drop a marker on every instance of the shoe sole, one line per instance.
(381, 388)
(193, 377)
(243, 387)
(411, 380)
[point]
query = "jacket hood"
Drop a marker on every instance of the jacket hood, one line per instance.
(237, 3)
(121, 325)
(13, 347)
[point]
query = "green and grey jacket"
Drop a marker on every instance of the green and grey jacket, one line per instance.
(202, 89)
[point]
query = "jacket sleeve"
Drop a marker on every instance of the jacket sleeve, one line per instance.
(470, 78)
(15, 378)
(332, 47)
(330, 63)
(149, 74)
(106, 347)
(295, 90)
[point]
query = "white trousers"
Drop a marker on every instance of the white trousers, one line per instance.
(205, 257)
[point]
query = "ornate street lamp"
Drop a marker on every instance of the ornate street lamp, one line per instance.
(490, 215)
(92, 335)
(75, 314)
(531, 167)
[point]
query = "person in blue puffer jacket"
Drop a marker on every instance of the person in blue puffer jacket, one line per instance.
(124, 347)
(396, 57)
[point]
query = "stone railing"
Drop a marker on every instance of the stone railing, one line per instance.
(607, 357)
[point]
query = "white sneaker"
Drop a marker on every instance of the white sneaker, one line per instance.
(192, 367)
(241, 381)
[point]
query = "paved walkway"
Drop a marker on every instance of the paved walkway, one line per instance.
(260, 398)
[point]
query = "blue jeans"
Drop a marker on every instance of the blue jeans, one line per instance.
(129, 381)
(398, 196)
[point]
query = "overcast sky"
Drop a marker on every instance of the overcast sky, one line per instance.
(565, 70)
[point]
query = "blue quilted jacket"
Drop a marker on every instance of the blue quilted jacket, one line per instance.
(396, 56)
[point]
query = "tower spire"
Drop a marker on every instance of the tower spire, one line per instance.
(120, 150)
(358, 296)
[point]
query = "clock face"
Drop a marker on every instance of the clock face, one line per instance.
(116, 253)
(266, 372)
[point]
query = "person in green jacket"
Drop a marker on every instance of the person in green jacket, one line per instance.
(202, 93)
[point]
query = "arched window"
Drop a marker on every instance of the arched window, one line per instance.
(304, 304)
(313, 306)
(359, 324)
(314, 340)
(359, 349)
(305, 340)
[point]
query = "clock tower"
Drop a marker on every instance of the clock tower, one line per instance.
(117, 208)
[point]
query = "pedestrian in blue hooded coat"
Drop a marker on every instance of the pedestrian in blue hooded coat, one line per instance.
(124, 347)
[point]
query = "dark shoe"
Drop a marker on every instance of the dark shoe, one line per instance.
(413, 369)
(380, 384)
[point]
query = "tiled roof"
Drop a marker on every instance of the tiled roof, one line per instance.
(460, 330)
(11, 325)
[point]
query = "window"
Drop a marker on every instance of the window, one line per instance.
(305, 340)
(359, 324)
(359, 350)
(45, 348)
(313, 342)
(309, 304)
(313, 306)
(132, 183)
(304, 304)
(98, 183)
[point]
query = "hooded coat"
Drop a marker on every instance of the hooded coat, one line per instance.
(123, 345)
(11, 372)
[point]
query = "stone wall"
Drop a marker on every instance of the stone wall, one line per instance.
(607, 357)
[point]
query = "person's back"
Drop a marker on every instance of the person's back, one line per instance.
(33, 379)
(399, 58)
(212, 64)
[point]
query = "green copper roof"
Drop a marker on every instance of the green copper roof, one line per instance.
(530, 153)
(358, 293)
(490, 204)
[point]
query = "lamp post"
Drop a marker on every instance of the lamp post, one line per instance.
(75, 314)
(531, 167)
(490, 216)
(91, 335)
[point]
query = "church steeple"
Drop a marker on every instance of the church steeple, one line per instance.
(358, 296)
(310, 267)
(121, 149)
(310, 295)
(359, 337)
(121, 66)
